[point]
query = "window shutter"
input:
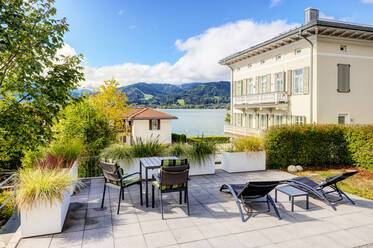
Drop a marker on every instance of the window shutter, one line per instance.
(150, 124)
(269, 83)
(159, 124)
(283, 81)
(306, 80)
(343, 78)
(256, 85)
(289, 82)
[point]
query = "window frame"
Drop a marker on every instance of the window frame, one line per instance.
(279, 76)
(349, 79)
(154, 124)
(297, 80)
(250, 85)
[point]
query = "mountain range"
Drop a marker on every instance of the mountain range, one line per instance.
(189, 95)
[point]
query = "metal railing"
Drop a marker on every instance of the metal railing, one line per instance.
(263, 98)
(241, 131)
(8, 184)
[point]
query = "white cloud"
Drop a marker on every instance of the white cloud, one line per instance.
(325, 16)
(367, 1)
(275, 3)
(66, 50)
(201, 53)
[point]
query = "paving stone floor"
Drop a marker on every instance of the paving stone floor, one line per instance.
(214, 220)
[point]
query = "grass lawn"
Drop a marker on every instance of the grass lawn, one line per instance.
(360, 184)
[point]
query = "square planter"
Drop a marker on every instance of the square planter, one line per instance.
(44, 218)
(243, 161)
(206, 167)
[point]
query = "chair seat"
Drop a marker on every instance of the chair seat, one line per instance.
(131, 180)
(166, 187)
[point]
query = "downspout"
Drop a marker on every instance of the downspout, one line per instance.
(311, 76)
(231, 117)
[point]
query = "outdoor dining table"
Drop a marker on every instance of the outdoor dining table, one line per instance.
(150, 163)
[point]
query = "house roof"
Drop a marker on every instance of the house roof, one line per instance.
(147, 114)
(316, 27)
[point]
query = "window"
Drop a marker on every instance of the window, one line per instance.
(343, 78)
(343, 48)
(264, 84)
(239, 85)
(154, 124)
(250, 86)
(238, 119)
(278, 120)
(279, 82)
(263, 121)
(297, 51)
(278, 56)
(343, 119)
(251, 121)
(297, 81)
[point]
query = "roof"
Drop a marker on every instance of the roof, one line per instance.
(316, 27)
(147, 114)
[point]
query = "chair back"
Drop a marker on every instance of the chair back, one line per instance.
(174, 172)
(337, 178)
(111, 171)
(257, 189)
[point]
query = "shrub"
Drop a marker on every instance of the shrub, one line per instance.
(178, 150)
(198, 151)
(68, 149)
(45, 185)
(178, 138)
(214, 139)
(31, 157)
(247, 144)
(319, 145)
(117, 152)
(7, 211)
(148, 148)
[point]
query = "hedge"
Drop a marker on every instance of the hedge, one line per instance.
(215, 139)
(319, 145)
(178, 138)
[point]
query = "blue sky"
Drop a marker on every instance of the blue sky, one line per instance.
(136, 40)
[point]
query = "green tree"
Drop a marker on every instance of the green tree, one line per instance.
(35, 82)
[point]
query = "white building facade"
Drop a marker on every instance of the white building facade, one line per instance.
(321, 72)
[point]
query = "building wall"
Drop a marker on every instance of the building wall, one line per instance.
(358, 103)
(140, 129)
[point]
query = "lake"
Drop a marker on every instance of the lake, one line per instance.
(198, 122)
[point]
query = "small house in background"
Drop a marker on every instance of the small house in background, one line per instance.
(148, 123)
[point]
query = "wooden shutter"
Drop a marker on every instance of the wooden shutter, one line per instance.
(150, 124)
(269, 82)
(289, 81)
(159, 124)
(343, 78)
(306, 80)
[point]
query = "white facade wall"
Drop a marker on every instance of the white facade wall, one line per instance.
(140, 129)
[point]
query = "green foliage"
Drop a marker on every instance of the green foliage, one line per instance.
(117, 152)
(176, 138)
(35, 82)
(178, 150)
(319, 145)
(214, 139)
(7, 211)
(199, 150)
(148, 148)
(248, 144)
(359, 140)
(69, 149)
(31, 157)
(45, 185)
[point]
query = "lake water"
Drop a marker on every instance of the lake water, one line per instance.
(198, 122)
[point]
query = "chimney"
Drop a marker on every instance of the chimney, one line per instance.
(310, 15)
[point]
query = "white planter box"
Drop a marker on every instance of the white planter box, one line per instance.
(206, 167)
(44, 218)
(74, 174)
(243, 161)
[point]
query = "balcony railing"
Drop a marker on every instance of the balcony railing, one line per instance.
(241, 131)
(263, 98)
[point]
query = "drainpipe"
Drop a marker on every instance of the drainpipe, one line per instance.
(311, 77)
(231, 118)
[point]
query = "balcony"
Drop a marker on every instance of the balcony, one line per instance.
(271, 98)
(241, 131)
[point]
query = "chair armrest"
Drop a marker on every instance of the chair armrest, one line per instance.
(129, 175)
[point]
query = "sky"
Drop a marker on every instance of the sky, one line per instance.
(175, 41)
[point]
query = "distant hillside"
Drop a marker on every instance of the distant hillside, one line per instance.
(191, 95)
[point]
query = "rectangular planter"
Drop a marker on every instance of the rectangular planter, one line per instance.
(43, 218)
(243, 161)
(74, 174)
(206, 167)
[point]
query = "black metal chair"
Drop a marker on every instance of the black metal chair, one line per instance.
(319, 189)
(114, 177)
(244, 194)
(172, 177)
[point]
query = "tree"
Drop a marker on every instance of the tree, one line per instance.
(35, 82)
(112, 103)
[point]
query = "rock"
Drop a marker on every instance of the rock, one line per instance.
(299, 168)
(292, 169)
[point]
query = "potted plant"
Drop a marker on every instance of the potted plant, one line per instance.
(245, 154)
(128, 157)
(43, 200)
(201, 156)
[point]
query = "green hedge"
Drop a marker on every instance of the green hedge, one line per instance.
(319, 145)
(214, 139)
(178, 138)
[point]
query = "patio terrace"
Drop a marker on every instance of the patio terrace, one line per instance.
(214, 220)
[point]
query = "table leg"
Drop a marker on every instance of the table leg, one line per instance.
(140, 170)
(307, 202)
(292, 204)
(146, 188)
